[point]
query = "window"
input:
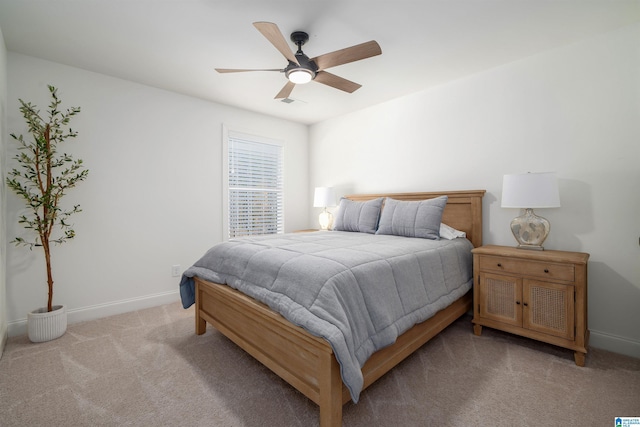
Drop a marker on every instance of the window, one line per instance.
(254, 178)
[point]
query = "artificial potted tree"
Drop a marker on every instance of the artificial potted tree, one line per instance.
(41, 179)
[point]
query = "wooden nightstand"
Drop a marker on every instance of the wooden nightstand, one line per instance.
(536, 294)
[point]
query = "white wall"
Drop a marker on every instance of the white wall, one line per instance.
(3, 212)
(573, 110)
(153, 195)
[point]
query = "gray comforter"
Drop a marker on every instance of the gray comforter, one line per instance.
(358, 291)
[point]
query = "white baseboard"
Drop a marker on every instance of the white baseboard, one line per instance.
(19, 327)
(614, 343)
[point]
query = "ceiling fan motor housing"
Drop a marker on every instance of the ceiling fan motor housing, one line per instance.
(305, 65)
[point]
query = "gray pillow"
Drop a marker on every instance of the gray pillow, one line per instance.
(412, 219)
(358, 216)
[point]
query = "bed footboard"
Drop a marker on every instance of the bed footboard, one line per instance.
(303, 360)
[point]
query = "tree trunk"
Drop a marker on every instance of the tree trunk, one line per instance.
(49, 217)
(47, 257)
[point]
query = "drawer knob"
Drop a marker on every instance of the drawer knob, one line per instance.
(546, 270)
(518, 302)
(525, 304)
(499, 265)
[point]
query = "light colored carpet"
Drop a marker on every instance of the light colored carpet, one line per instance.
(148, 368)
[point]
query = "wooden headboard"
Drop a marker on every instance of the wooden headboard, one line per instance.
(463, 211)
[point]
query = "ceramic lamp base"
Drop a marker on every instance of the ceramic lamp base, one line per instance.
(326, 220)
(530, 230)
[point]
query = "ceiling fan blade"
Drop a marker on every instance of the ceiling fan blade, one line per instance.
(240, 70)
(348, 54)
(285, 91)
(274, 35)
(336, 82)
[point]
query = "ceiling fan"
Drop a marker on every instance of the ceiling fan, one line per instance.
(301, 69)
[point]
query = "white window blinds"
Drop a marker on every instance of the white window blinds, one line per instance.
(256, 199)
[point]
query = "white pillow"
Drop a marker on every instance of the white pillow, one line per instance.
(450, 233)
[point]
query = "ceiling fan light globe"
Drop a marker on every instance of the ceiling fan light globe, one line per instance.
(300, 76)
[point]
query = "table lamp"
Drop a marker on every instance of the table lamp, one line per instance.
(324, 197)
(528, 191)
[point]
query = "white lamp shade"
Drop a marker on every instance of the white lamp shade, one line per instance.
(530, 190)
(323, 197)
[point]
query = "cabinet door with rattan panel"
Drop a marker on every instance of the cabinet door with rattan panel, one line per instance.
(500, 298)
(548, 308)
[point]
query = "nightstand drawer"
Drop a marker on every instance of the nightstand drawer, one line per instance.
(564, 272)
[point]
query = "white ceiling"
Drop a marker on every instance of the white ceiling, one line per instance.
(176, 44)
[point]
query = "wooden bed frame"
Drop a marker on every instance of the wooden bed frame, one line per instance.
(306, 361)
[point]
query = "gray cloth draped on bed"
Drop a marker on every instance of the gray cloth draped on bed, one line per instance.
(358, 291)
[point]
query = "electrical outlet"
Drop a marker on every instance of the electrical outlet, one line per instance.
(175, 270)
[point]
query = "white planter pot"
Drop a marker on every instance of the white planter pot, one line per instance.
(46, 325)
